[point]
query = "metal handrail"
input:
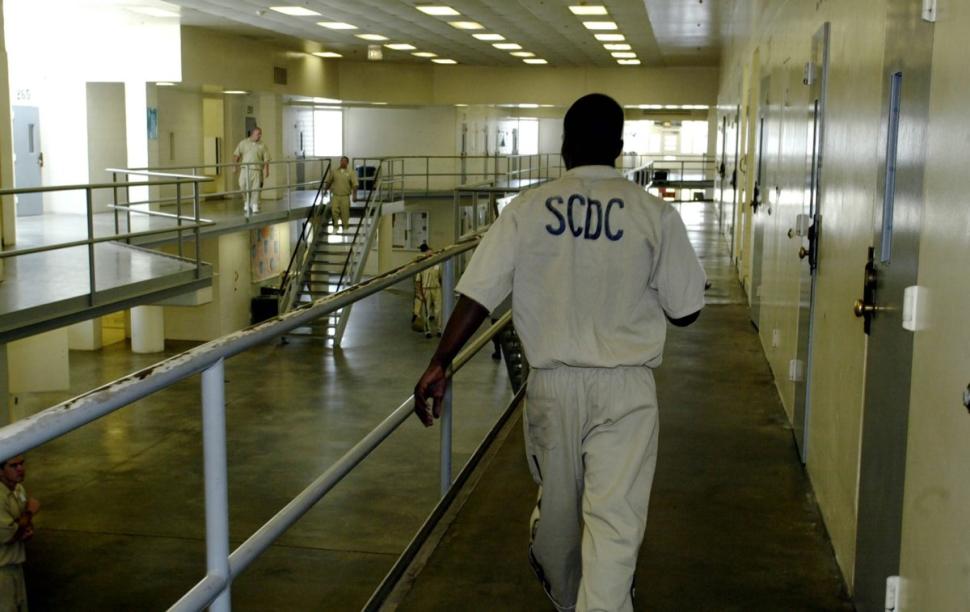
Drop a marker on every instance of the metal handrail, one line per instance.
(371, 195)
(209, 359)
(303, 240)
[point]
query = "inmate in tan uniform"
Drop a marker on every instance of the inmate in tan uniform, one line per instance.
(594, 264)
(429, 308)
(253, 156)
(13, 592)
(342, 182)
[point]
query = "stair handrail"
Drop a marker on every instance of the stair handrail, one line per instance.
(293, 278)
(368, 207)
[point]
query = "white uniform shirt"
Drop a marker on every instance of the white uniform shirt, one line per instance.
(250, 152)
(593, 263)
(341, 181)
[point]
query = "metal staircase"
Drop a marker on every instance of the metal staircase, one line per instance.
(329, 261)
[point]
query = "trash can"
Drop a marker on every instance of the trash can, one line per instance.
(264, 306)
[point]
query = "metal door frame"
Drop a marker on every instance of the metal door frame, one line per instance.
(35, 199)
(757, 201)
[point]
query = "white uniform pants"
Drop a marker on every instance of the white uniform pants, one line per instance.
(340, 210)
(13, 592)
(591, 440)
(250, 182)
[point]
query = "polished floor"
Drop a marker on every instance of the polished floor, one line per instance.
(733, 523)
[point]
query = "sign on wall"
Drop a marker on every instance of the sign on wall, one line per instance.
(264, 249)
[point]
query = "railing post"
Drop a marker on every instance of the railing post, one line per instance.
(89, 202)
(114, 192)
(178, 213)
(447, 306)
(198, 219)
(216, 480)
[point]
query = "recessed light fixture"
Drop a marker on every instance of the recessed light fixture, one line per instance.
(326, 101)
(165, 84)
(628, 62)
(535, 60)
(527, 105)
(489, 36)
(651, 106)
(438, 10)
(508, 46)
(234, 92)
(442, 60)
(523, 54)
(624, 54)
(547, 106)
(466, 25)
(373, 37)
(696, 106)
(600, 25)
(379, 103)
(424, 54)
(294, 11)
(610, 37)
(617, 47)
(328, 54)
(152, 11)
(588, 10)
(401, 47)
(461, 105)
(336, 25)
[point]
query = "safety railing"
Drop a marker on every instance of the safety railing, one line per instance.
(193, 223)
(313, 229)
(209, 361)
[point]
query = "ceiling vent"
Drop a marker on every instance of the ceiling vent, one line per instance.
(279, 75)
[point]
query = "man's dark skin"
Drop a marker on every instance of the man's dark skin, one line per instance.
(583, 149)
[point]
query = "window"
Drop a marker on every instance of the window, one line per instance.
(410, 229)
(328, 132)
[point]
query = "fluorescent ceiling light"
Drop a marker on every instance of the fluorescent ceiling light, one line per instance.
(507, 46)
(535, 60)
(489, 36)
(379, 103)
(523, 54)
(374, 37)
(234, 92)
(461, 105)
(152, 11)
(466, 25)
(617, 47)
(651, 106)
(628, 62)
(336, 25)
(528, 105)
(624, 54)
(165, 84)
(327, 54)
(441, 60)
(295, 11)
(424, 54)
(600, 25)
(610, 37)
(696, 106)
(401, 47)
(438, 10)
(547, 105)
(326, 101)
(588, 10)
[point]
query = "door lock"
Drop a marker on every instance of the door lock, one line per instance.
(866, 308)
(861, 309)
(803, 252)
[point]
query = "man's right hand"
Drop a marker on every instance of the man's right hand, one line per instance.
(33, 506)
(432, 386)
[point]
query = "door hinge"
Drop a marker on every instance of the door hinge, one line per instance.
(929, 11)
(892, 594)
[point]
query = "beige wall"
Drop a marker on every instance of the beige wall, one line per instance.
(936, 539)
(107, 142)
(781, 33)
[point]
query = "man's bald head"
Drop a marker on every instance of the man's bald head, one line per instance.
(592, 131)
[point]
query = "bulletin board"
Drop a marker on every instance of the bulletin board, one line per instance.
(265, 249)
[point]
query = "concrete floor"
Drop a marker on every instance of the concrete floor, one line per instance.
(733, 522)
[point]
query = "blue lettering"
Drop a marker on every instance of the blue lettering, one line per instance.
(590, 234)
(576, 231)
(609, 209)
(556, 231)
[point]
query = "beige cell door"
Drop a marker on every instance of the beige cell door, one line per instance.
(893, 265)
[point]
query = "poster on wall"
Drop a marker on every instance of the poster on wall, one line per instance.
(152, 123)
(264, 249)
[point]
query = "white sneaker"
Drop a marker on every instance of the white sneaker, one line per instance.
(255, 209)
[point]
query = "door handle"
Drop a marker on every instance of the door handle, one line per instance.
(40, 159)
(803, 252)
(861, 309)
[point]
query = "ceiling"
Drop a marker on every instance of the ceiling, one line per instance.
(661, 32)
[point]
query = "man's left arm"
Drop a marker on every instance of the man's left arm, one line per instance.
(678, 275)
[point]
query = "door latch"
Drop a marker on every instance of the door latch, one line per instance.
(866, 307)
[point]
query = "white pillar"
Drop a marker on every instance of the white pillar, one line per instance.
(147, 329)
(85, 336)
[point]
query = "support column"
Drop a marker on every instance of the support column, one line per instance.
(147, 329)
(85, 336)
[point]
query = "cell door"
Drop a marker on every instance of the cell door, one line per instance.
(807, 231)
(893, 264)
(28, 159)
(759, 209)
